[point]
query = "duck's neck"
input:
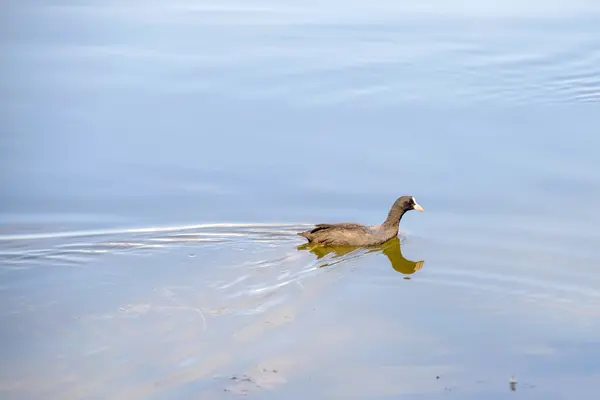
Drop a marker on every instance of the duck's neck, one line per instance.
(392, 222)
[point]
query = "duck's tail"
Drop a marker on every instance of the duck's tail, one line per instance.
(305, 235)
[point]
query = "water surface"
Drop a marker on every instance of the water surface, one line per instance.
(159, 157)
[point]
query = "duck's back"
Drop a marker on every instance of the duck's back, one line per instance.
(345, 234)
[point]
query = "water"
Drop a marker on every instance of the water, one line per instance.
(159, 158)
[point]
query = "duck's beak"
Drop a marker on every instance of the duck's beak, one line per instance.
(418, 208)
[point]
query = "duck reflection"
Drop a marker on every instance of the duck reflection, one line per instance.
(391, 249)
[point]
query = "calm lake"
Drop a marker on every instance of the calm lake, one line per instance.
(159, 157)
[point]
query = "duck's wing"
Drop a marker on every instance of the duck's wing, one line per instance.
(321, 232)
(343, 225)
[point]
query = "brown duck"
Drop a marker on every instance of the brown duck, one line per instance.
(351, 234)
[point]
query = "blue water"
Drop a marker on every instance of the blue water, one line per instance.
(159, 157)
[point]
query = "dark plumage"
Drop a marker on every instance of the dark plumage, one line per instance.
(351, 234)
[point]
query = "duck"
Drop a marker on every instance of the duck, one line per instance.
(353, 234)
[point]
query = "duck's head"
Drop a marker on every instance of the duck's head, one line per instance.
(408, 203)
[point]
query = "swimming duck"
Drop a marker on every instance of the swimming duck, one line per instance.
(351, 234)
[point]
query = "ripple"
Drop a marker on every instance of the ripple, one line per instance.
(154, 229)
(50, 248)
